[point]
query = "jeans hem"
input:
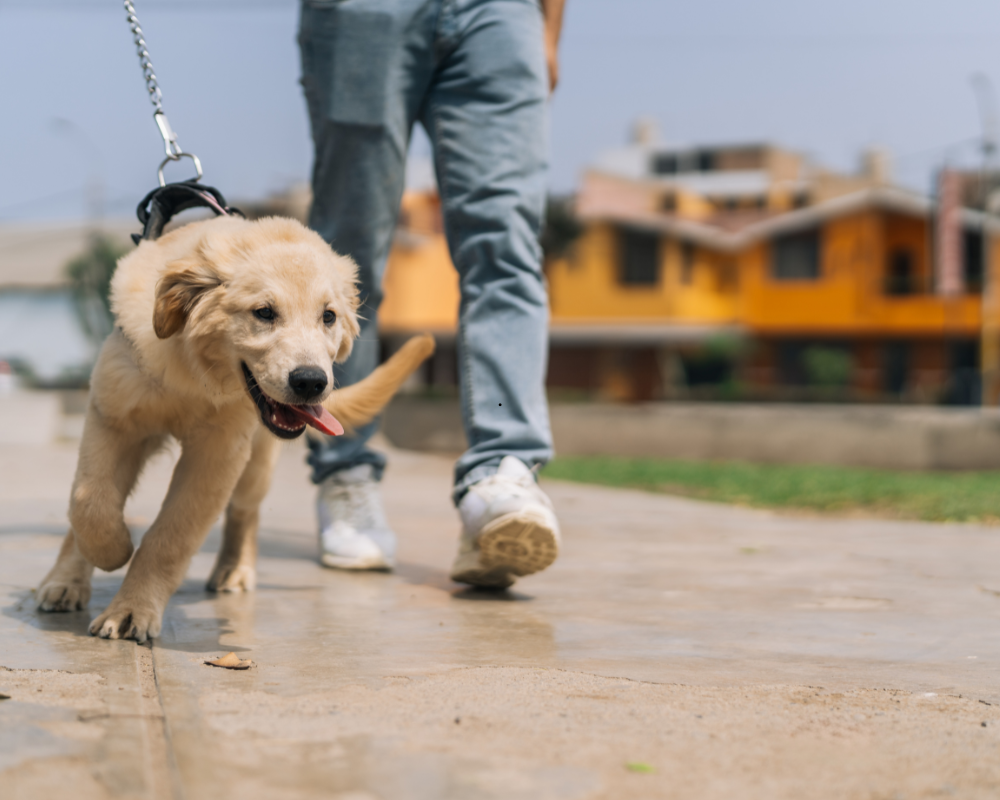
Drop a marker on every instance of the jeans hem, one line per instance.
(321, 471)
(472, 477)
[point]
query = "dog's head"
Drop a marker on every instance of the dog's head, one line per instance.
(268, 304)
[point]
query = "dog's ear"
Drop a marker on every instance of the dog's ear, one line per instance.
(353, 330)
(177, 293)
(344, 350)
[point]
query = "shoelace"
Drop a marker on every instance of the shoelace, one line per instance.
(524, 481)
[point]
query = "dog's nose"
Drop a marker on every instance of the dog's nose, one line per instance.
(307, 382)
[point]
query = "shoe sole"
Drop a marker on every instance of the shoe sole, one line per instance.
(334, 562)
(508, 548)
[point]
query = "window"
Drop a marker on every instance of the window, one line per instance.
(900, 278)
(687, 263)
(964, 382)
(796, 257)
(675, 163)
(972, 261)
(639, 257)
(897, 366)
(665, 164)
(791, 371)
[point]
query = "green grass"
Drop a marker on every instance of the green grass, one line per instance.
(935, 496)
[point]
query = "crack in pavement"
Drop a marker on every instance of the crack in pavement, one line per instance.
(162, 768)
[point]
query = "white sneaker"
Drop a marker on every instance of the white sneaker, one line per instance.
(353, 532)
(508, 528)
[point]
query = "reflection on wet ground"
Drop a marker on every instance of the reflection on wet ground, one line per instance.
(659, 614)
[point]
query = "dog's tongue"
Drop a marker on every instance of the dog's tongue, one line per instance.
(318, 417)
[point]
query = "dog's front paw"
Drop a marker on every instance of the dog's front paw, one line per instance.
(62, 595)
(127, 620)
(233, 578)
(101, 534)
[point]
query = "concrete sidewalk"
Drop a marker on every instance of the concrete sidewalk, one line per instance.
(735, 653)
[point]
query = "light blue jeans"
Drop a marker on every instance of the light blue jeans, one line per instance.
(473, 73)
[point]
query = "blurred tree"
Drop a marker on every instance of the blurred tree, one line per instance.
(561, 228)
(827, 366)
(90, 277)
(715, 361)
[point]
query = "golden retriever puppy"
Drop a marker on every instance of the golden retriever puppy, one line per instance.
(226, 336)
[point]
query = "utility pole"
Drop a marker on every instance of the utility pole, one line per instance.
(93, 188)
(90, 285)
(989, 348)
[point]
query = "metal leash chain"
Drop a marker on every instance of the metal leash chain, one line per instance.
(155, 95)
(172, 148)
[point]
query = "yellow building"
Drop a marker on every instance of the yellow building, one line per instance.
(741, 267)
(421, 285)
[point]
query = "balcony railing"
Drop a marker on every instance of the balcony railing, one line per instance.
(906, 285)
(913, 285)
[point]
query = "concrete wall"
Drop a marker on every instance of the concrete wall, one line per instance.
(891, 437)
(30, 418)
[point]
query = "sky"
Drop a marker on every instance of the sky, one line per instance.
(827, 79)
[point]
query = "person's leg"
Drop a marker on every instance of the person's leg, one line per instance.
(487, 117)
(365, 68)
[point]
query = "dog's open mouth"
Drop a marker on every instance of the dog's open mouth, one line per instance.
(286, 420)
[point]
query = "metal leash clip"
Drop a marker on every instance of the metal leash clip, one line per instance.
(173, 149)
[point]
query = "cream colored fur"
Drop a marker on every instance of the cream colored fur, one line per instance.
(184, 306)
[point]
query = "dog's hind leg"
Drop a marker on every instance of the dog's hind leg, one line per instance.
(236, 566)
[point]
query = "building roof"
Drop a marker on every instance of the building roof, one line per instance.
(634, 159)
(734, 230)
(34, 254)
(729, 182)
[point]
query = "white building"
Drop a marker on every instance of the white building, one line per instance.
(40, 331)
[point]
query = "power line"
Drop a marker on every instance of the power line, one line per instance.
(932, 152)
(699, 38)
(7, 214)
(187, 6)
(65, 194)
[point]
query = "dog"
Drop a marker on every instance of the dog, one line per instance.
(226, 336)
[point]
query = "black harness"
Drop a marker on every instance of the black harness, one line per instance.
(160, 205)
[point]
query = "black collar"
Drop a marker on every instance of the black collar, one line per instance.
(160, 205)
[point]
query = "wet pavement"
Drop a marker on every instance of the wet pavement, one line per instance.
(677, 649)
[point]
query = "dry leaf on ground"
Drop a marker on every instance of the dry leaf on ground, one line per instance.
(230, 661)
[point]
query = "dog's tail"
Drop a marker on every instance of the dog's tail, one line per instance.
(361, 402)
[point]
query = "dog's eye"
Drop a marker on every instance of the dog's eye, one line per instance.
(329, 317)
(266, 313)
